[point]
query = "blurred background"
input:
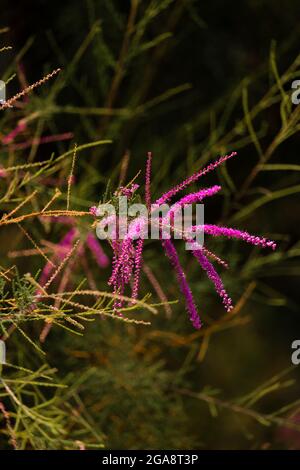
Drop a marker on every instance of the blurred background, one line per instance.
(188, 80)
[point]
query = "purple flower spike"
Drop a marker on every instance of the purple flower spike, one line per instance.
(148, 181)
(185, 289)
(214, 277)
(66, 242)
(128, 260)
(217, 231)
(124, 263)
(168, 195)
(128, 192)
(138, 265)
(194, 197)
(93, 210)
(62, 248)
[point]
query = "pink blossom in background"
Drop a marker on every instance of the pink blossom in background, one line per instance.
(228, 232)
(3, 172)
(65, 245)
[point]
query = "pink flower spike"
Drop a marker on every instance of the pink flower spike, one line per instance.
(122, 266)
(96, 249)
(214, 257)
(138, 265)
(93, 210)
(214, 277)
(212, 166)
(66, 242)
(148, 181)
(194, 197)
(118, 303)
(184, 287)
(217, 231)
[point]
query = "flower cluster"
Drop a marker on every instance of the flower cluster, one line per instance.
(127, 261)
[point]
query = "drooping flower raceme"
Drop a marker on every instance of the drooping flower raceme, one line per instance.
(65, 245)
(171, 253)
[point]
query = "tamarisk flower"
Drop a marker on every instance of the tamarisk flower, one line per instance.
(127, 261)
(148, 181)
(93, 210)
(217, 231)
(190, 199)
(214, 277)
(192, 179)
(183, 284)
(128, 192)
